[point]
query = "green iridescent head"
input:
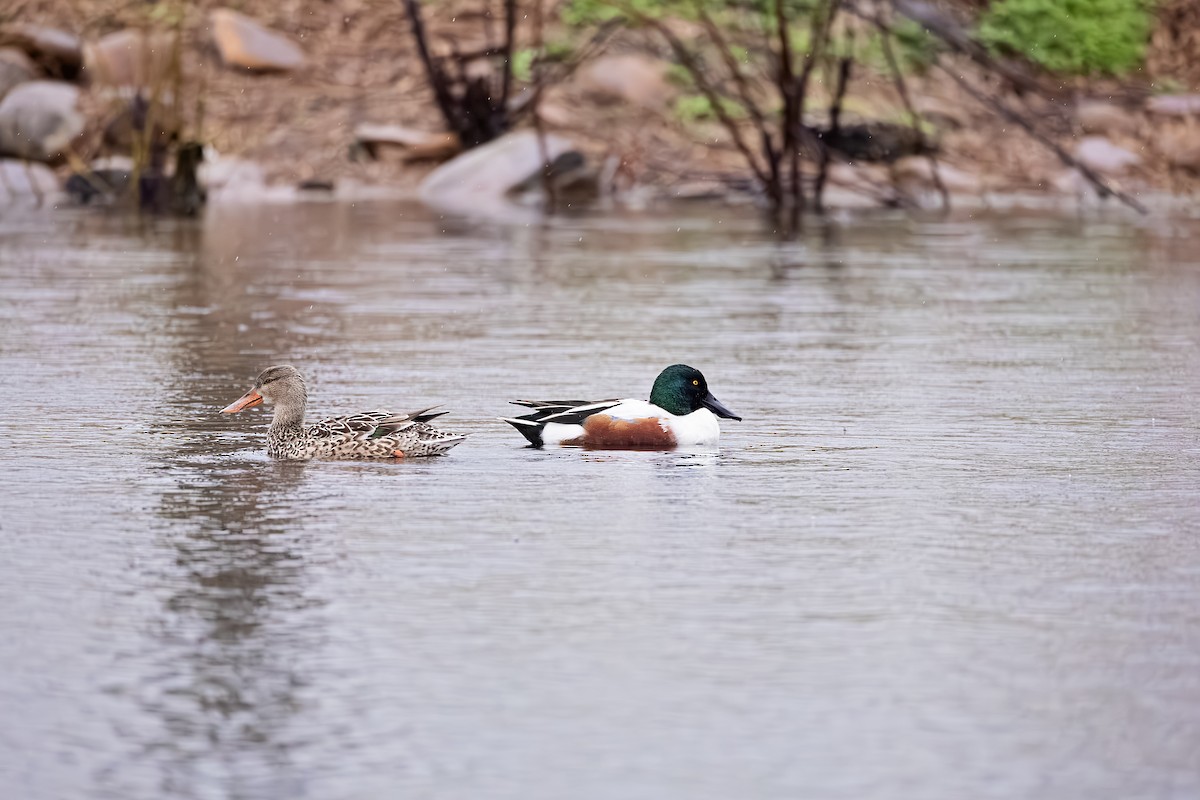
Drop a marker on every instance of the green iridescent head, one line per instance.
(680, 390)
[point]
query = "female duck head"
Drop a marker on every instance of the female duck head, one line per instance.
(282, 385)
(680, 390)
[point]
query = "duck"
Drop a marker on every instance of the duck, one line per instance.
(682, 412)
(369, 434)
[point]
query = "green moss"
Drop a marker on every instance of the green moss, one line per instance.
(692, 108)
(1080, 37)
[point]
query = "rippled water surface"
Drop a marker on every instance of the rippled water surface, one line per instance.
(951, 552)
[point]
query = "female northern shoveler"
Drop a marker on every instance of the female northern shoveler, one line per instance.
(681, 413)
(372, 434)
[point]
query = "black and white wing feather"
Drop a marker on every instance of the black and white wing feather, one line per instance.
(565, 412)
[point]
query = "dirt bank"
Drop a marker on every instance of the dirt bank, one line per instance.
(360, 66)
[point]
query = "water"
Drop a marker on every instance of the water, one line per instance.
(951, 552)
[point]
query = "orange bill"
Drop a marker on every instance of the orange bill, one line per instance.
(248, 400)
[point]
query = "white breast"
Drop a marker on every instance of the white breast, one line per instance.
(695, 429)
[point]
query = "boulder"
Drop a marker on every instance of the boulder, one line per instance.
(128, 58)
(1104, 157)
(1100, 117)
(1174, 105)
(229, 179)
(39, 119)
(569, 178)
(58, 53)
(245, 43)
(916, 173)
(105, 180)
(127, 126)
(878, 141)
(15, 68)
(1182, 150)
(631, 78)
(416, 145)
(700, 191)
(23, 179)
(479, 180)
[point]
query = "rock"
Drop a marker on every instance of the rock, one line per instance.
(58, 53)
(316, 185)
(1104, 157)
(1100, 117)
(700, 191)
(129, 125)
(244, 43)
(15, 68)
(1182, 150)
(1174, 105)
(876, 141)
(915, 172)
(99, 184)
(25, 179)
(228, 179)
(631, 77)
(38, 120)
(571, 182)
(417, 145)
(479, 180)
(128, 58)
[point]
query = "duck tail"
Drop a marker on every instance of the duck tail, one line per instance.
(530, 429)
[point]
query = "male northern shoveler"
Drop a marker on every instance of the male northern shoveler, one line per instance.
(681, 413)
(371, 434)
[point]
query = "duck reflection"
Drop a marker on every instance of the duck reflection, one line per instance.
(239, 615)
(240, 619)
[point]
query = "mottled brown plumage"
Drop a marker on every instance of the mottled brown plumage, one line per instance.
(370, 434)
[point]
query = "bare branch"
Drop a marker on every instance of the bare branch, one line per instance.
(889, 53)
(510, 28)
(1102, 188)
(696, 71)
(835, 114)
(435, 75)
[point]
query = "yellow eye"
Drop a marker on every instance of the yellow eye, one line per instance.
(695, 383)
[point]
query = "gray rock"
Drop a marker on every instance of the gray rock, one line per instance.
(128, 58)
(1182, 150)
(98, 184)
(15, 68)
(20, 179)
(916, 173)
(1174, 105)
(1105, 157)
(631, 77)
(58, 53)
(231, 179)
(1100, 117)
(478, 181)
(39, 120)
(245, 43)
(415, 144)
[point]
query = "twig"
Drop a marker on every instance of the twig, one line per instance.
(544, 155)
(746, 97)
(510, 27)
(835, 115)
(902, 88)
(692, 65)
(1102, 188)
(595, 45)
(437, 78)
(789, 114)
